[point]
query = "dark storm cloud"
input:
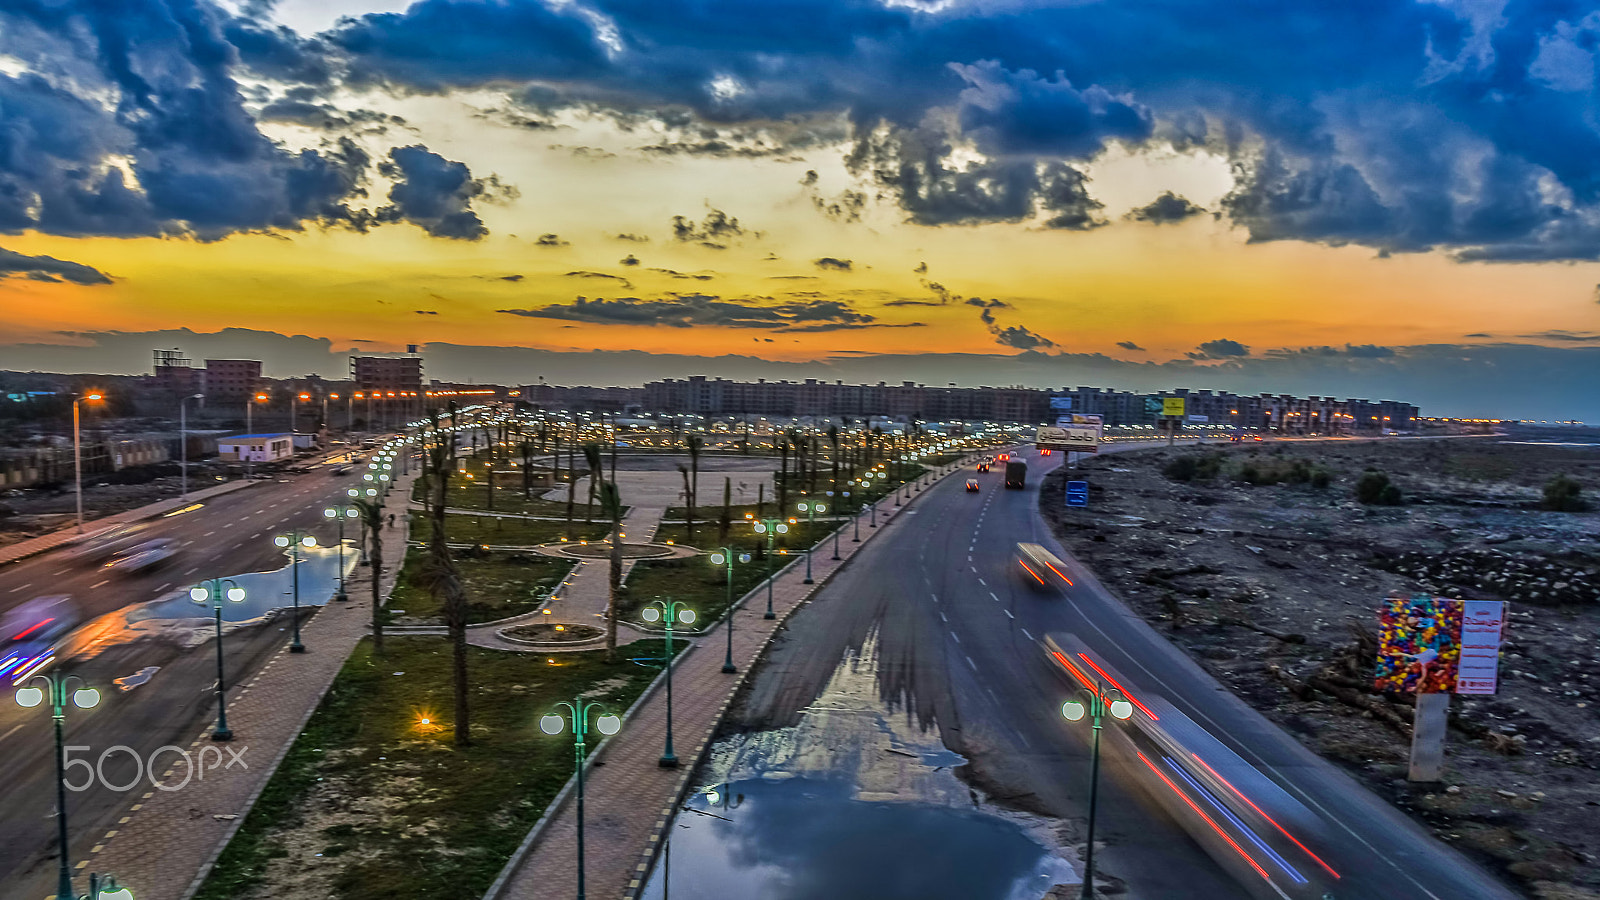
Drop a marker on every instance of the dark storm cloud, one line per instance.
(601, 275)
(1401, 126)
(432, 193)
(1168, 207)
(1021, 338)
(48, 268)
(716, 231)
(833, 263)
(550, 240)
(629, 260)
(1130, 345)
(635, 238)
(693, 276)
(1360, 351)
(1222, 348)
(687, 310)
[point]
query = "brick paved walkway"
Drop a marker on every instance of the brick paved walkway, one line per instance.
(34, 546)
(630, 800)
(166, 844)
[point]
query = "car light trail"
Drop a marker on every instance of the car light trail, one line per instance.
(1263, 815)
(1119, 687)
(1087, 682)
(1062, 577)
(1250, 833)
(1202, 814)
(1033, 573)
(33, 629)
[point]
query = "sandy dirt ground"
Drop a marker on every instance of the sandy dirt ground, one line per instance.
(1274, 587)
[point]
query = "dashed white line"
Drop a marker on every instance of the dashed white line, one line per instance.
(943, 619)
(1026, 634)
(981, 581)
(99, 584)
(1008, 614)
(20, 587)
(955, 637)
(208, 534)
(996, 599)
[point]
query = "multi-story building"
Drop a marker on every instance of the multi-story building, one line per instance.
(231, 380)
(386, 373)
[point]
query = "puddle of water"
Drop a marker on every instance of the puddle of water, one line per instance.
(856, 802)
(129, 682)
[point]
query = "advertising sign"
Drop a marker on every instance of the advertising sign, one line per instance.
(1079, 435)
(1172, 406)
(1423, 645)
(1060, 404)
(1152, 406)
(1199, 418)
(1482, 621)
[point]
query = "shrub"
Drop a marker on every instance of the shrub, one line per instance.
(1320, 479)
(1374, 488)
(1181, 469)
(1563, 494)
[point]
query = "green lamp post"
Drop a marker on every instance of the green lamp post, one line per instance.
(578, 717)
(771, 528)
(725, 557)
(811, 508)
(84, 697)
(1096, 704)
(293, 541)
(668, 612)
(213, 592)
(339, 514)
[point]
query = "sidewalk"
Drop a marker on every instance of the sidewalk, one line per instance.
(583, 597)
(630, 800)
(168, 842)
(34, 546)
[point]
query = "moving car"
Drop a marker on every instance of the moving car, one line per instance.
(1017, 474)
(30, 632)
(106, 544)
(972, 485)
(983, 466)
(144, 556)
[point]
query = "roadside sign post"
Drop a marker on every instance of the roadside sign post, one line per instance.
(1078, 493)
(1172, 409)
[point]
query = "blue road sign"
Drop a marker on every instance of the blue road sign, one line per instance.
(1077, 493)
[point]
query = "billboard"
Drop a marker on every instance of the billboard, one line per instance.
(1421, 645)
(1060, 404)
(1172, 406)
(1077, 433)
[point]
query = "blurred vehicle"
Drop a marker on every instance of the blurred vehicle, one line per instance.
(972, 485)
(1235, 439)
(30, 632)
(1258, 438)
(1003, 457)
(1044, 452)
(983, 465)
(106, 544)
(144, 556)
(1042, 568)
(339, 470)
(1016, 474)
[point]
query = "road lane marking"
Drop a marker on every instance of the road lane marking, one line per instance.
(1026, 634)
(943, 619)
(996, 599)
(957, 637)
(208, 534)
(99, 584)
(163, 588)
(1008, 614)
(972, 664)
(20, 587)
(10, 733)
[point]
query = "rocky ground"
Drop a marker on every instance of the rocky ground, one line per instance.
(1258, 559)
(26, 513)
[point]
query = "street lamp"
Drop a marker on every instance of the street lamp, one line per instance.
(214, 593)
(77, 452)
(84, 697)
(294, 541)
(811, 509)
(105, 887)
(725, 557)
(340, 513)
(771, 528)
(1100, 702)
(578, 713)
(294, 413)
(667, 612)
(183, 441)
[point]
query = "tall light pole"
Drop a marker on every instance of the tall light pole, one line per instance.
(77, 450)
(578, 713)
(293, 541)
(183, 442)
(213, 592)
(294, 414)
(836, 531)
(771, 528)
(811, 508)
(668, 612)
(340, 513)
(84, 697)
(250, 428)
(1099, 702)
(725, 557)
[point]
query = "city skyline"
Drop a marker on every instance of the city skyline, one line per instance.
(527, 190)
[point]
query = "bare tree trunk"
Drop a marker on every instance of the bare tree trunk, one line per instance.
(375, 562)
(727, 512)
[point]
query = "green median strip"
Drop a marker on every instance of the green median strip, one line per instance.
(373, 803)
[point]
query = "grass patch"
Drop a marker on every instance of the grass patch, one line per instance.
(507, 532)
(508, 499)
(741, 535)
(694, 581)
(499, 586)
(406, 813)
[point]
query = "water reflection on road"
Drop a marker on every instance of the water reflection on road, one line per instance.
(853, 803)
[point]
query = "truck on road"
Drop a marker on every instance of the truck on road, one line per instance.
(1016, 473)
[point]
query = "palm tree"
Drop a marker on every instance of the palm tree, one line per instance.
(591, 457)
(833, 456)
(372, 517)
(695, 442)
(782, 487)
(611, 503)
(440, 576)
(727, 512)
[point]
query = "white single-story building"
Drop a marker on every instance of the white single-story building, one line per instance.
(256, 447)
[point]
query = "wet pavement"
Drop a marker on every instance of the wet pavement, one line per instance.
(858, 801)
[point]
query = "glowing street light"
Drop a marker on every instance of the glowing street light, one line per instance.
(578, 717)
(77, 451)
(811, 508)
(725, 557)
(339, 514)
(771, 528)
(84, 697)
(667, 612)
(213, 592)
(1099, 702)
(293, 542)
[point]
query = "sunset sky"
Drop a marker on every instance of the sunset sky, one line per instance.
(1358, 198)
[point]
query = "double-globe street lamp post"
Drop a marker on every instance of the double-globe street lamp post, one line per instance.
(369, 494)
(668, 612)
(578, 713)
(214, 592)
(293, 541)
(84, 697)
(725, 557)
(771, 528)
(339, 514)
(1096, 703)
(811, 508)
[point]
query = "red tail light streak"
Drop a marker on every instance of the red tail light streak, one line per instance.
(1131, 698)
(1208, 820)
(1236, 793)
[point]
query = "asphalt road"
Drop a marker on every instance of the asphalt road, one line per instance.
(959, 648)
(229, 535)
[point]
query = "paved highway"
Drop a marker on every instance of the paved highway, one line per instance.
(959, 646)
(228, 535)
